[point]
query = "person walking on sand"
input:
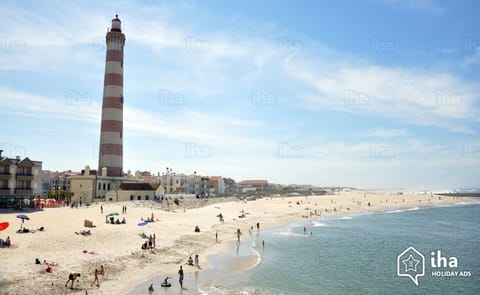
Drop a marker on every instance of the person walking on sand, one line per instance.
(95, 278)
(180, 276)
(216, 236)
(150, 289)
(72, 277)
(258, 226)
(101, 209)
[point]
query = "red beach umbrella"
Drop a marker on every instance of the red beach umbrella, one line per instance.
(4, 225)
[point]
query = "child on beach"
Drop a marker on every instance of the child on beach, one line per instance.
(190, 261)
(102, 270)
(95, 278)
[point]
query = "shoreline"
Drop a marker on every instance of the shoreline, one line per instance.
(118, 246)
(223, 261)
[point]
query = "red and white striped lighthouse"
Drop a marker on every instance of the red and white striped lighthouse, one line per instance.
(111, 133)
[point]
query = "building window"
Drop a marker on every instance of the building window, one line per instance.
(109, 186)
(139, 197)
(131, 197)
(99, 186)
(146, 198)
(104, 186)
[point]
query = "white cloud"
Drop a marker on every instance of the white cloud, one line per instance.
(419, 97)
(43, 107)
(386, 133)
(213, 71)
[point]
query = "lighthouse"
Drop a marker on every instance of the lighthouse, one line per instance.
(111, 133)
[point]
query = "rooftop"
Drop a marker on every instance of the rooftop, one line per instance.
(142, 186)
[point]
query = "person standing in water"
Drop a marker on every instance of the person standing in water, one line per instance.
(180, 277)
(197, 261)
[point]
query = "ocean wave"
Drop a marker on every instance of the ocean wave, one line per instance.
(319, 224)
(401, 210)
(345, 217)
(259, 258)
(468, 203)
(395, 211)
(290, 234)
(223, 290)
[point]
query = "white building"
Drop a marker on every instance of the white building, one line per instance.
(90, 187)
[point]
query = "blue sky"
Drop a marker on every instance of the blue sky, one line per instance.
(365, 93)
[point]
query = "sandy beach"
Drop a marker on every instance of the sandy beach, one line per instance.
(118, 246)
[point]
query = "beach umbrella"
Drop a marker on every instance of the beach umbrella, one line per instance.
(143, 223)
(23, 217)
(4, 225)
(112, 214)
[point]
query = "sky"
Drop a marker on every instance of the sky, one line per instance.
(361, 93)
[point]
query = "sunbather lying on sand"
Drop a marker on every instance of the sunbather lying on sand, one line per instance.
(49, 266)
(84, 233)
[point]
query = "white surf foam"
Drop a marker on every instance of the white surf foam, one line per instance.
(290, 234)
(395, 211)
(319, 224)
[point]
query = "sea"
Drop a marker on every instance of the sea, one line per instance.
(363, 253)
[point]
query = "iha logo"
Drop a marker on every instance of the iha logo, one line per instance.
(411, 263)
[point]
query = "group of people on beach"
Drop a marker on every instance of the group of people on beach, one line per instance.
(72, 277)
(97, 272)
(149, 243)
(195, 263)
(148, 219)
(112, 221)
(165, 283)
(5, 243)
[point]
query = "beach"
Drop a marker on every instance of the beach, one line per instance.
(118, 246)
